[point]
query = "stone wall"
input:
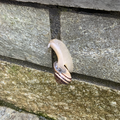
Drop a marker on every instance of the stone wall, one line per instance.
(93, 39)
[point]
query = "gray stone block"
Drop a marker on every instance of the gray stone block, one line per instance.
(37, 92)
(90, 4)
(25, 33)
(94, 42)
(10, 114)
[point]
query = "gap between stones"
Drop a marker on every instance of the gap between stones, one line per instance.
(54, 15)
(79, 77)
(12, 106)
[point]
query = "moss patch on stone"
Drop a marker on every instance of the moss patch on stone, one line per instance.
(3, 103)
(37, 92)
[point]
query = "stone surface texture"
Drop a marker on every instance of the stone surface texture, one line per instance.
(94, 43)
(36, 91)
(108, 5)
(10, 114)
(25, 33)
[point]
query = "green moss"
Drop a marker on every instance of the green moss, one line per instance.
(14, 69)
(17, 73)
(3, 103)
(37, 92)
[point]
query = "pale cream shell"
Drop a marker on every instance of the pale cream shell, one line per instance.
(64, 57)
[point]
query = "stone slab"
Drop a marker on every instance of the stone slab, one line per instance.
(25, 33)
(94, 43)
(10, 114)
(37, 91)
(89, 4)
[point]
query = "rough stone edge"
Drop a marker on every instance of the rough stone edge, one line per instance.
(12, 106)
(9, 113)
(89, 5)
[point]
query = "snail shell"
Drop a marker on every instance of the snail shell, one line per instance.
(61, 76)
(64, 66)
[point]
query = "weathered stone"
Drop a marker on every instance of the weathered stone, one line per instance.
(92, 4)
(94, 43)
(25, 33)
(36, 91)
(10, 114)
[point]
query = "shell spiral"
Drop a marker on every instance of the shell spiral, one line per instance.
(60, 75)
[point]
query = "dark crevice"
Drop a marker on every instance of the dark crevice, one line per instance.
(27, 4)
(54, 15)
(59, 8)
(96, 81)
(96, 12)
(79, 77)
(12, 106)
(26, 64)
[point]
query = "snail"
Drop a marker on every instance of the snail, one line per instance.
(64, 65)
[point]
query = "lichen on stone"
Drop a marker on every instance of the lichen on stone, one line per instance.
(37, 92)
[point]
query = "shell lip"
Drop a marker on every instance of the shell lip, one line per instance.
(60, 71)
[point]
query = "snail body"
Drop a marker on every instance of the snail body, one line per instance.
(64, 65)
